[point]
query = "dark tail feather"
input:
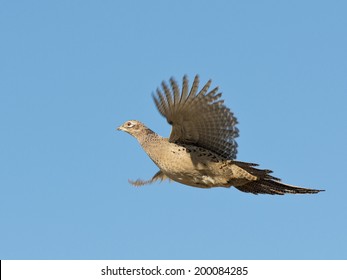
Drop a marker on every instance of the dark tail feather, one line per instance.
(260, 173)
(274, 187)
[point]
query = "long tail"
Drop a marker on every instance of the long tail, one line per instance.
(274, 187)
(267, 184)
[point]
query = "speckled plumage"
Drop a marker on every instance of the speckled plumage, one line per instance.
(201, 149)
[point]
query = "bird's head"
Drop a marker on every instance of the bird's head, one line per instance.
(135, 128)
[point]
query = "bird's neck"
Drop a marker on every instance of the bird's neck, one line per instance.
(151, 143)
(147, 138)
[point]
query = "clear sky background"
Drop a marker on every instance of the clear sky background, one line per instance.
(72, 71)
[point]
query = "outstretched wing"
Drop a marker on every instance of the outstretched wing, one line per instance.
(198, 118)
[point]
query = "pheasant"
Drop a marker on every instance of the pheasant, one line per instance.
(201, 149)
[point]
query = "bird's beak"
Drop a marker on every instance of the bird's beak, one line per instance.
(120, 128)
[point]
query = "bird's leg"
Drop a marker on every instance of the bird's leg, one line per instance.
(157, 176)
(139, 182)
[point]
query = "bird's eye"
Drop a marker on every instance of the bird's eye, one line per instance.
(129, 124)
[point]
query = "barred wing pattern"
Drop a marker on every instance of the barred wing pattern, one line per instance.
(198, 118)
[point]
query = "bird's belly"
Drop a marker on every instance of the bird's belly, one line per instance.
(193, 169)
(197, 180)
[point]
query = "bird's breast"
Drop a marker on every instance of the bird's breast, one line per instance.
(189, 165)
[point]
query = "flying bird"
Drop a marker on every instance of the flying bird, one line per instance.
(201, 150)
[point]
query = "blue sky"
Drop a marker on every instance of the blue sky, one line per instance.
(72, 71)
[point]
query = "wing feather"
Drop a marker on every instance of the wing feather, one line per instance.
(198, 118)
